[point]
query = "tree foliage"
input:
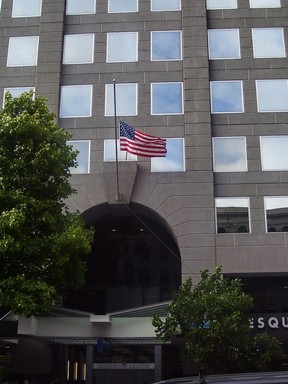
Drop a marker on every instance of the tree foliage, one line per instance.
(41, 243)
(213, 319)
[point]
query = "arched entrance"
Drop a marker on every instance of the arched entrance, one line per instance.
(135, 260)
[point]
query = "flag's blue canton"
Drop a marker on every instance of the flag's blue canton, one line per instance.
(127, 131)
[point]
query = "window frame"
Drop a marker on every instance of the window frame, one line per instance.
(25, 89)
(210, 31)
(109, 35)
(107, 105)
(264, 167)
(38, 14)
(73, 171)
(241, 94)
(179, 32)
(234, 5)
(165, 10)
(122, 155)
(165, 112)
(164, 160)
(123, 11)
(61, 101)
(232, 198)
(261, 110)
(70, 36)
(261, 2)
(254, 43)
(80, 12)
(266, 198)
(243, 138)
(10, 47)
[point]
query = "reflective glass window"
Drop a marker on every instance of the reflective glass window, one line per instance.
(83, 156)
(268, 42)
(76, 101)
(229, 154)
(226, 97)
(274, 154)
(165, 5)
(174, 160)
(17, 91)
(78, 49)
(224, 44)
(221, 4)
(276, 209)
(122, 47)
(80, 7)
(272, 95)
(22, 51)
(232, 215)
(26, 8)
(265, 4)
(126, 100)
(116, 6)
(110, 154)
(166, 98)
(166, 45)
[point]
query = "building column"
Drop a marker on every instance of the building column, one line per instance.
(158, 362)
(89, 364)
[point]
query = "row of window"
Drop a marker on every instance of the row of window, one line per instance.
(233, 214)
(79, 48)
(122, 47)
(227, 96)
(32, 8)
(76, 100)
(225, 43)
(232, 4)
(230, 154)
(165, 45)
(173, 162)
(167, 98)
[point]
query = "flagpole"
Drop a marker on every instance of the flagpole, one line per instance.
(118, 196)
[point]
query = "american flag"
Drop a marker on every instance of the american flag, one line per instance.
(141, 144)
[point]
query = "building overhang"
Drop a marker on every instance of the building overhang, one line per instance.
(76, 326)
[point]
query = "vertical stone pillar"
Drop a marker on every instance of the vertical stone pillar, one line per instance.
(158, 362)
(48, 73)
(89, 364)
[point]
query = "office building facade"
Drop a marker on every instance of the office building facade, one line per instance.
(211, 78)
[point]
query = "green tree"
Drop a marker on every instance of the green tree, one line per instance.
(213, 319)
(41, 243)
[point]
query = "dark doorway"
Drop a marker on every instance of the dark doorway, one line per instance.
(135, 260)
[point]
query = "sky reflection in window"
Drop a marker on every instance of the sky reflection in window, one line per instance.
(122, 47)
(167, 98)
(268, 42)
(224, 43)
(174, 160)
(26, 8)
(226, 97)
(83, 156)
(229, 154)
(79, 7)
(75, 101)
(274, 153)
(126, 100)
(272, 95)
(166, 45)
(22, 51)
(78, 49)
